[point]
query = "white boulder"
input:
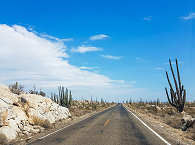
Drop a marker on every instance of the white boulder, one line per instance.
(44, 108)
(7, 134)
(26, 114)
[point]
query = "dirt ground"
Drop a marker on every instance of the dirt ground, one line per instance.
(166, 122)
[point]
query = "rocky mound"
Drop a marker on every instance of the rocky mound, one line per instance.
(26, 114)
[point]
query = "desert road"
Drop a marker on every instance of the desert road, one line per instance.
(114, 126)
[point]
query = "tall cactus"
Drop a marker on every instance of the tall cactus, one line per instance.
(70, 99)
(63, 98)
(177, 97)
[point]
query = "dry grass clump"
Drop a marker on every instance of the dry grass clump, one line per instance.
(190, 110)
(165, 113)
(79, 108)
(41, 122)
(3, 139)
(78, 112)
(191, 134)
(3, 117)
(173, 122)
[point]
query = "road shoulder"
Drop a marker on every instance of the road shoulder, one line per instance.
(173, 136)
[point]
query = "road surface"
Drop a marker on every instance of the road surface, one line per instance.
(114, 126)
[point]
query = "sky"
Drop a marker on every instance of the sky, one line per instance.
(106, 49)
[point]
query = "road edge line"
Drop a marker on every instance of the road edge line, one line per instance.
(165, 141)
(72, 124)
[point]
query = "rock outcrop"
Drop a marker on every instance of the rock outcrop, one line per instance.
(187, 121)
(26, 114)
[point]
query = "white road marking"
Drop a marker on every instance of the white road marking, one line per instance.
(57, 130)
(71, 124)
(148, 126)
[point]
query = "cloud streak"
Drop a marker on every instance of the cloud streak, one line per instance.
(55, 38)
(189, 17)
(84, 49)
(87, 68)
(111, 57)
(98, 37)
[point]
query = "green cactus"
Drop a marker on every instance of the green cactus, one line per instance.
(176, 98)
(70, 99)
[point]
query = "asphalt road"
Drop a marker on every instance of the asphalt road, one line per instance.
(114, 126)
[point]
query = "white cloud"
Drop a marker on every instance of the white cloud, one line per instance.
(84, 49)
(98, 37)
(31, 59)
(149, 18)
(189, 17)
(111, 57)
(87, 68)
(55, 38)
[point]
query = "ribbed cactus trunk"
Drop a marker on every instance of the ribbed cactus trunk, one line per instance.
(177, 97)
(70, 99)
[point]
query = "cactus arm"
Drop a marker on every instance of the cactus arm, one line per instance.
(184, 97)
(175, 81)
(59, 91)
(169, 80)
(178, 75)
(182, 88)
(170, 101)
(173, 96)
(174, 99)
(179, 91)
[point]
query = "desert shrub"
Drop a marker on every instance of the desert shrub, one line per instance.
(34, 91)
(87, 107)
(16, 88)
(41, 122)
(94, 106)
(190, 110)
(175, 123)
(26, 109)
(3, 117)
(3, 139)
(191, 133)
(42, 93)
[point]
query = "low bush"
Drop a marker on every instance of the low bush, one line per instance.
(16, 88)
(3, 139)
(41, 122)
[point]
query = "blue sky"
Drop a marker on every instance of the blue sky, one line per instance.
(128, 42)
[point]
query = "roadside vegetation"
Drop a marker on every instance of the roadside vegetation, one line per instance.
(79, 108)
(64, 98)
(177, 113)
(165, 113)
